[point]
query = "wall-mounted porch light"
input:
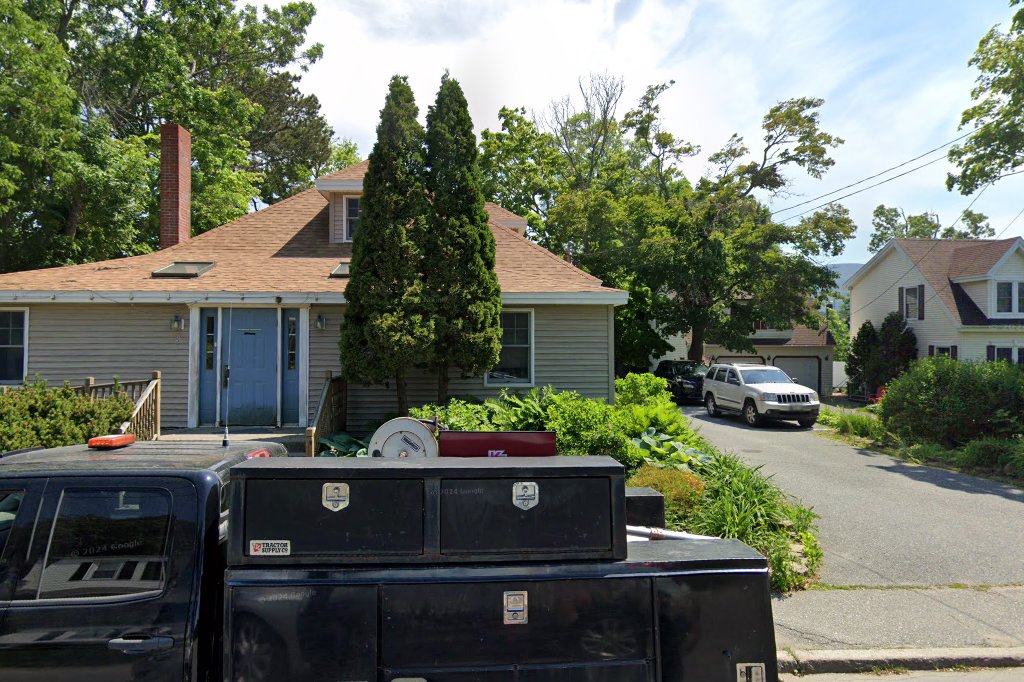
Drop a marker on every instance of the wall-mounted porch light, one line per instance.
(177, 323)
(320, 322)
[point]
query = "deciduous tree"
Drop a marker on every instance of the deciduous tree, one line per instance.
(894, 223)
(460, 286)
(387, 329)
(995, 147)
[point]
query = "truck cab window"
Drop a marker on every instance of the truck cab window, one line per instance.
(107, 542)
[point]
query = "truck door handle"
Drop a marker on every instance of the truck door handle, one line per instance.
(140, 644)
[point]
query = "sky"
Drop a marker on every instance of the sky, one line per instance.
(894, 76)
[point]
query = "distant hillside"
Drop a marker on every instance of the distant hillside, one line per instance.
(845, 272)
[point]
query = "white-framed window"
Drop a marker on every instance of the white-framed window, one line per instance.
(942, 350)
(1004, 297)
(351, 217)
(515, 364)
(910, 306)
(13, 345)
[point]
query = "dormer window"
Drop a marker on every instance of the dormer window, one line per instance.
(351, 217)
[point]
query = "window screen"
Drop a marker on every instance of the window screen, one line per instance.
(12, 346)
(107, 542)
(911, 303)
(514, 363)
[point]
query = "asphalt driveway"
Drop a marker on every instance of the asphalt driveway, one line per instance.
(885, 522)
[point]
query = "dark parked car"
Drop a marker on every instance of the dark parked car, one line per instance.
(685, 378)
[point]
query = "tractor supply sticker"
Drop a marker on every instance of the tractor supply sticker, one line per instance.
(750, 672)
(335, 496)
(525, 494)
(516, 608)
(270, 547)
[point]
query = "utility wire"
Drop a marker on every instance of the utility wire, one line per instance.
(864, 189)
(872, 177)
(913, 263)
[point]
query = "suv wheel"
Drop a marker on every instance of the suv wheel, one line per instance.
(806, 423)
(711, 406)
(750, 414)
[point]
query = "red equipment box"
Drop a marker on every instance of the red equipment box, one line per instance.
(496, 443)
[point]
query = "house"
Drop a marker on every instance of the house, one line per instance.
(804, 354)
(243, 321)
(962, 298)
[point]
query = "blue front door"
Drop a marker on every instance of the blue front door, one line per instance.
(250, 352)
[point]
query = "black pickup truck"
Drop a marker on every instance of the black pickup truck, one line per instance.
(161, 562)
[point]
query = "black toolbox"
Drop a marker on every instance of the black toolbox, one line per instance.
(426, 510)
(673, 611)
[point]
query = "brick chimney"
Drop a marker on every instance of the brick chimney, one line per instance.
(175, 184)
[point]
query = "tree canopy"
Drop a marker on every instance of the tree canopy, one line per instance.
(387, 328)
(608, 194)
(995, 147)
(460, 285)
(894, 223)
(84, 86)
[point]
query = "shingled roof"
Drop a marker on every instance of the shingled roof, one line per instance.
(942, 260)
(285, 248)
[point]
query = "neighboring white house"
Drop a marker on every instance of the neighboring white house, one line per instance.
(962, 298)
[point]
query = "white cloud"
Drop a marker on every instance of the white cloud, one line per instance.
(895, 81)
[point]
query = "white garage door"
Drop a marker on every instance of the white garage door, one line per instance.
(803, 370)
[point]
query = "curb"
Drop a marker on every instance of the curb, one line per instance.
(867, 660)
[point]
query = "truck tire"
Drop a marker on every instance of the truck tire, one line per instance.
(711, 406)
(807, 423)
(750, 414)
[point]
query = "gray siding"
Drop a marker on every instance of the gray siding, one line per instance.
(573, 351)
(72, 341)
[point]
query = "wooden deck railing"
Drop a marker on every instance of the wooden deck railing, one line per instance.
(331, 413)
(133, 389)
(144, 422)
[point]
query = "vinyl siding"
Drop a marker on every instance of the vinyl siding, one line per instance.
(679, 350)
(71, 342)
(877, 294)
(972, 344)
(572, 351)
(337, 215)
(1012, 269)
(979, 292)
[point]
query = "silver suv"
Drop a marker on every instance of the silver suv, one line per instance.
(758, 392)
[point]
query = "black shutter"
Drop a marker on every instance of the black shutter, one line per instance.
(952, 352)
(931, 351)
(990, 353)
(902, 311)
(1020, 356)
(920, 301)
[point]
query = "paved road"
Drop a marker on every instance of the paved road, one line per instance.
(883, 521)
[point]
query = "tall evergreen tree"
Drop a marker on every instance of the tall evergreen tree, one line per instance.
(462, 290)
(386, 331)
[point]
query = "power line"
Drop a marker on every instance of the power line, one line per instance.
(913, 263)
(872, 177)
(865, 189)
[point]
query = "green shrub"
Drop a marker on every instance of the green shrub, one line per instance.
(829, 418)
(682, 491)
(457, 415)
(860, 425)
(587, 427)
(987, 453)
(514, 412)
(663, 417)
(641, 389)
(927, 452)
(37, 416)
(940, 400)
(740, 502)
